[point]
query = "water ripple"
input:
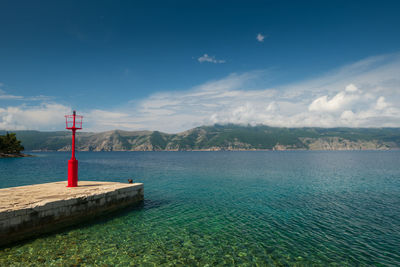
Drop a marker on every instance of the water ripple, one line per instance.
(228, 208)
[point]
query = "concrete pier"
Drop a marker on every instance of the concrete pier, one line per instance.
(28, 211)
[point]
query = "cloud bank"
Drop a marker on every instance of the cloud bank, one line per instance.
(46, 116)
(362, 94)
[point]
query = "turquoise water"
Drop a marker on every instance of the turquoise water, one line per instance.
(226, 208)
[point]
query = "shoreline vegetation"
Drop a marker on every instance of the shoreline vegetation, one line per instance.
(228, 137)
(10, 146)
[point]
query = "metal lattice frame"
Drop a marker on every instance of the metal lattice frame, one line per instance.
(69, 122)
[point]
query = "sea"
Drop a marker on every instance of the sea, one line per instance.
(226, 208)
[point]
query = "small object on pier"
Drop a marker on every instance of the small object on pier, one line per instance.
(130, 181)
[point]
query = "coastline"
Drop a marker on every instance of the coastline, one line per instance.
(222, 150)
(19, 155)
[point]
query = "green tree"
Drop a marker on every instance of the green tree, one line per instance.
(9, 144)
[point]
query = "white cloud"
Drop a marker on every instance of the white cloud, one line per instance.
(362, 94)
(103, 120)
(207, 58)
(334, 99)
(47, 116)
(351, 88)
(10, 97)
(5, 96)
(381, 103)
(260, 37)
(340, 101)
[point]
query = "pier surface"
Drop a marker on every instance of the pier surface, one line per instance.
(27, 211)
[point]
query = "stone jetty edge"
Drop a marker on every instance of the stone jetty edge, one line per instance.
(20, 222)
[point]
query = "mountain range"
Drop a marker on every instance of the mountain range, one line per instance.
(217, 137)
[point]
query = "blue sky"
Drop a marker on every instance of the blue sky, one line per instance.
(174, 65)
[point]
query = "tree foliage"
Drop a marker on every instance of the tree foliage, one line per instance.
(9, 144)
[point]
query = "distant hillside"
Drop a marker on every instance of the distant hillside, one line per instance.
(218, 137)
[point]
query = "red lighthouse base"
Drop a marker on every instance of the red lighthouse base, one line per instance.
(72, 173)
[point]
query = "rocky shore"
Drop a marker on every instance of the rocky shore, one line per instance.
(19, 155)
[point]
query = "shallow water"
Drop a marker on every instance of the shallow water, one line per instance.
(292, 208)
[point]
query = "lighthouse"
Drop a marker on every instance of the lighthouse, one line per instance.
(73, 123)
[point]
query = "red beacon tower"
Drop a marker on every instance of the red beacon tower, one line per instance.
(73, 123)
